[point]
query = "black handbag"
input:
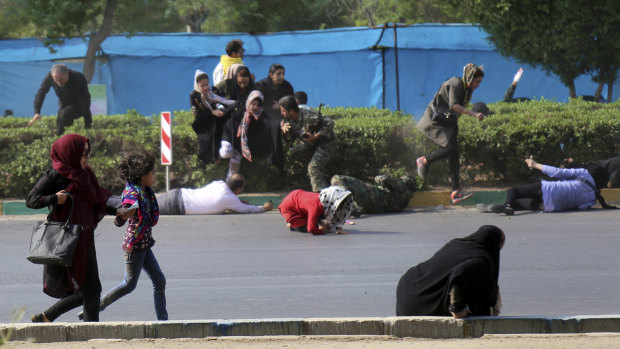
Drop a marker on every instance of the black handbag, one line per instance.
(54, 243)
(443, 117)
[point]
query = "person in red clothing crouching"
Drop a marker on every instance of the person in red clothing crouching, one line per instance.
(317, 213)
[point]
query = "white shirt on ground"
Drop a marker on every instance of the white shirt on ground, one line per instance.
(214, 198)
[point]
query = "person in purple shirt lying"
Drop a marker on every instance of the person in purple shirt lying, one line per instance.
(574, 189)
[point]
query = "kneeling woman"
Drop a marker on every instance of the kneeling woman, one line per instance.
(459, 280)
(317, 213)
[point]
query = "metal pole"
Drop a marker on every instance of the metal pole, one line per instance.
(167, 178)
(396, 64)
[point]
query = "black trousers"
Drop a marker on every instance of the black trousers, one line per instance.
(88, 295)
(451, 150)
(67, 114)
(525, 197)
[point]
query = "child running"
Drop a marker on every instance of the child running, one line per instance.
(138, 170)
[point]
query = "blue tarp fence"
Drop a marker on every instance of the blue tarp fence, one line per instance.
(350, 67)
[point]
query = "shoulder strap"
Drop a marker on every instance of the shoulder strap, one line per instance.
(597, 192)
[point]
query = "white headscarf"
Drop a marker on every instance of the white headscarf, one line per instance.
(337, 203)
(210, 97)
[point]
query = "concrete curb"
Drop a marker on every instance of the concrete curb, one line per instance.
(418, 326)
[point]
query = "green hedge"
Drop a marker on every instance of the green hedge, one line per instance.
(494, 150)
(372, 141)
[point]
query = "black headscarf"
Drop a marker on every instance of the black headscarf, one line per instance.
(605, 171)
(236, 93)
(471, 262)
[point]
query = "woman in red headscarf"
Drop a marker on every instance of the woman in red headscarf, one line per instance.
(70, 174)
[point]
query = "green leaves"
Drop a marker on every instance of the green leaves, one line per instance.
(371, 141)
(551, 132)
(567, 38)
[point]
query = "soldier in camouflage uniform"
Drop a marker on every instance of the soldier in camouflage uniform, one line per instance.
(388, 195)
(313, 135)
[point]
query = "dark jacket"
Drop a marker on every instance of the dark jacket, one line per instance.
(228, 89)
(451, 92)
(74, 92)
(264, 138)
(55, 279)
(273, 94)
(208, 127)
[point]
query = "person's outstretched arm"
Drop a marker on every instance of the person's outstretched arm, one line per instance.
(533, 164)
(40, 97)
(555, 172)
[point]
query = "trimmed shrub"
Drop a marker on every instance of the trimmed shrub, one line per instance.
(493, 151)
(371, 141)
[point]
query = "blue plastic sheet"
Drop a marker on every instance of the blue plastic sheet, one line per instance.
(336, 67)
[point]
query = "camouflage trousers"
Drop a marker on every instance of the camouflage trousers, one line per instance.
(387, 195)
(320, 157)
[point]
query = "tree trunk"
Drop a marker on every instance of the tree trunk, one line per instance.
(95, 40)
(610, 91)
(599, 91)
(195, 19)
(371, 21)
(571, 89)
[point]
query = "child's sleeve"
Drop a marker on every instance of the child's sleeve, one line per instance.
(127, 200)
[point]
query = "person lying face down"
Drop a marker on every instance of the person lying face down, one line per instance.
(216, 197)
(458, 280)
(317, 213)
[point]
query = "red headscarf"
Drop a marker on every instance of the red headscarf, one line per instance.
(88, 196)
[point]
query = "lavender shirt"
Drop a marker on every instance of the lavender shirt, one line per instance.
(569, 192)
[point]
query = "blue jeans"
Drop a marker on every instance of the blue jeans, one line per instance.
(135, 261)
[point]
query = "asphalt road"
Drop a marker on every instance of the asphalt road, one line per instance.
(250, 266)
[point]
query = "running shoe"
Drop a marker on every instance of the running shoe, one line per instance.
(459, 195)
(422, 166)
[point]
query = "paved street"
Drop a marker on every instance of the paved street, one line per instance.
(250, 266)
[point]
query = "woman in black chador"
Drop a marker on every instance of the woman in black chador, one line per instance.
(459, 280)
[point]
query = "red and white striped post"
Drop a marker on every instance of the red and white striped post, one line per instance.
(166, 144)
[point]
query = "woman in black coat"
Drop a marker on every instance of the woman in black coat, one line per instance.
(238, 87)
(453, 96)
(70, 174)
(459, 280)
(210, 114)
(273, 88)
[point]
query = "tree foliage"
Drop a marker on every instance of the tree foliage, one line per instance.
(95, 20)
(602, 49)
(563, 37)
(376, 12)
(55, 18)
(15, 21)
